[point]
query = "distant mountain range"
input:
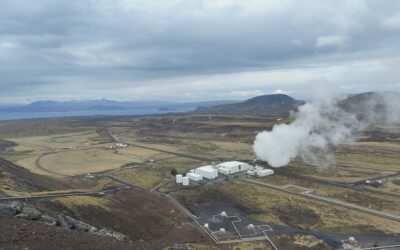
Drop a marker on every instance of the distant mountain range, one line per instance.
(278, 104)
(103, 105)
(363, 105)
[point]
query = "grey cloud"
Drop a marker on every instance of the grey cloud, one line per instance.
(131, 43)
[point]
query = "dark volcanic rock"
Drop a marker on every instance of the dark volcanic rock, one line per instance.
(48, 220)
(7, 211)
(110, 233)
(62, 222)
(30, 213)
(17, 205)
(17, 234)
(79, 225)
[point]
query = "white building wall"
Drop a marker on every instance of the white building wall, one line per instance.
(195, 177)
(232, 167)
(224, 171)
(185, 181)
(207, 172)
(178, 178)
(245, 167)
(264, 172)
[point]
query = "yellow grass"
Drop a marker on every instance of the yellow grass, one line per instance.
(266, 199)
(30, 164)
(38, 143)
(141, 177)
(139, 153)
(84, 161)
(83, 201)
(233, 145)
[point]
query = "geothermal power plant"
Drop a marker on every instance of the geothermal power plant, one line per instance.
(224, 169)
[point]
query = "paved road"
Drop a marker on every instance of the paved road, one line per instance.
(190, 216)
(122, 181)
(335, 183)
(67, 194)
(41, 167)
(377, 178)
(194, 157)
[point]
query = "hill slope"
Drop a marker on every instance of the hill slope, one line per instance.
(267, 104)
(374, 106)
(17, 178)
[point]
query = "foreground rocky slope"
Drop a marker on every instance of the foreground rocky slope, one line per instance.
(26, 211)
(26, 234)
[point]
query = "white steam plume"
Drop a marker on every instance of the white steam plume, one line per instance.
(317, 124)
(322, 122)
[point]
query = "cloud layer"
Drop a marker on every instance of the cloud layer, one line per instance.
(220, 49)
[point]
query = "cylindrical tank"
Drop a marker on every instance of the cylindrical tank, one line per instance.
(178, 178)
(185, 181)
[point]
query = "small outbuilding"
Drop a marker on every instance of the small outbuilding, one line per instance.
(264, 172)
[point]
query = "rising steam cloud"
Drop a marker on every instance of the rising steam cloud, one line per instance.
(321, 123)
(316, 125)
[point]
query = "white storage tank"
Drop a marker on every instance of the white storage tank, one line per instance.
(194, 176)
(185, 181)
(178, 178)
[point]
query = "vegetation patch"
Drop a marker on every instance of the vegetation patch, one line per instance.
(359, 229)
(366, 200)
(301, 242)
(396, 182)
(297, 216)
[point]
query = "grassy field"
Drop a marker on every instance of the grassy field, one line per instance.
(280, 208)
(363, 198)
(84, 161)
(149, 220)
(65, 147)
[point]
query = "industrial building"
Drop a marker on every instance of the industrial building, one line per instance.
(208, 172)
(194, 176)
(264, 172)
(117, 145)
(232, 167)
(227, 168)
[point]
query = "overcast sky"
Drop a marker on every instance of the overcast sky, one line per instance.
(195, 49)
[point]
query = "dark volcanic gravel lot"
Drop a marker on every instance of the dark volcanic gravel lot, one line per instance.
(24, 234)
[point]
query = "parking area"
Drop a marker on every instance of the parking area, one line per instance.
(227, 223)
